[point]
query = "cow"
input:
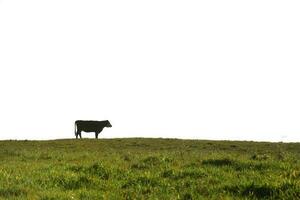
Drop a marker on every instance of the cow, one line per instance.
(90, 126)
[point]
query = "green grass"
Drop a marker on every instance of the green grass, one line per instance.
(148, 169)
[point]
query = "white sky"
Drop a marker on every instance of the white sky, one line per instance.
(210, 69)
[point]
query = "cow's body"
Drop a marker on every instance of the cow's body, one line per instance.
(90, 126)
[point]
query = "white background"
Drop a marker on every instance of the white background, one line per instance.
(162, 68)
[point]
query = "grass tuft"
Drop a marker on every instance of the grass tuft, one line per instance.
(12, 192)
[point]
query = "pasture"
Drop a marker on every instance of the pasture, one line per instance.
(148, 169)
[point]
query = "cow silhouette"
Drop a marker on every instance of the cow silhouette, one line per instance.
(90, 126)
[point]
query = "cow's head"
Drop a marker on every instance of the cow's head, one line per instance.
(108, 124)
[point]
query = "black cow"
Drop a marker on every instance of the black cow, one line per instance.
(90, 126)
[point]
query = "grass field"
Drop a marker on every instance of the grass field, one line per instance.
(148, 169)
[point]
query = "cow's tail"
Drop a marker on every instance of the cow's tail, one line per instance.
(75, 128)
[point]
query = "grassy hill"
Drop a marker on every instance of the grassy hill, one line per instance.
(148, 169)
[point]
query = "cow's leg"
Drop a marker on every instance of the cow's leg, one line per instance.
(96, 134)
(79, 133)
